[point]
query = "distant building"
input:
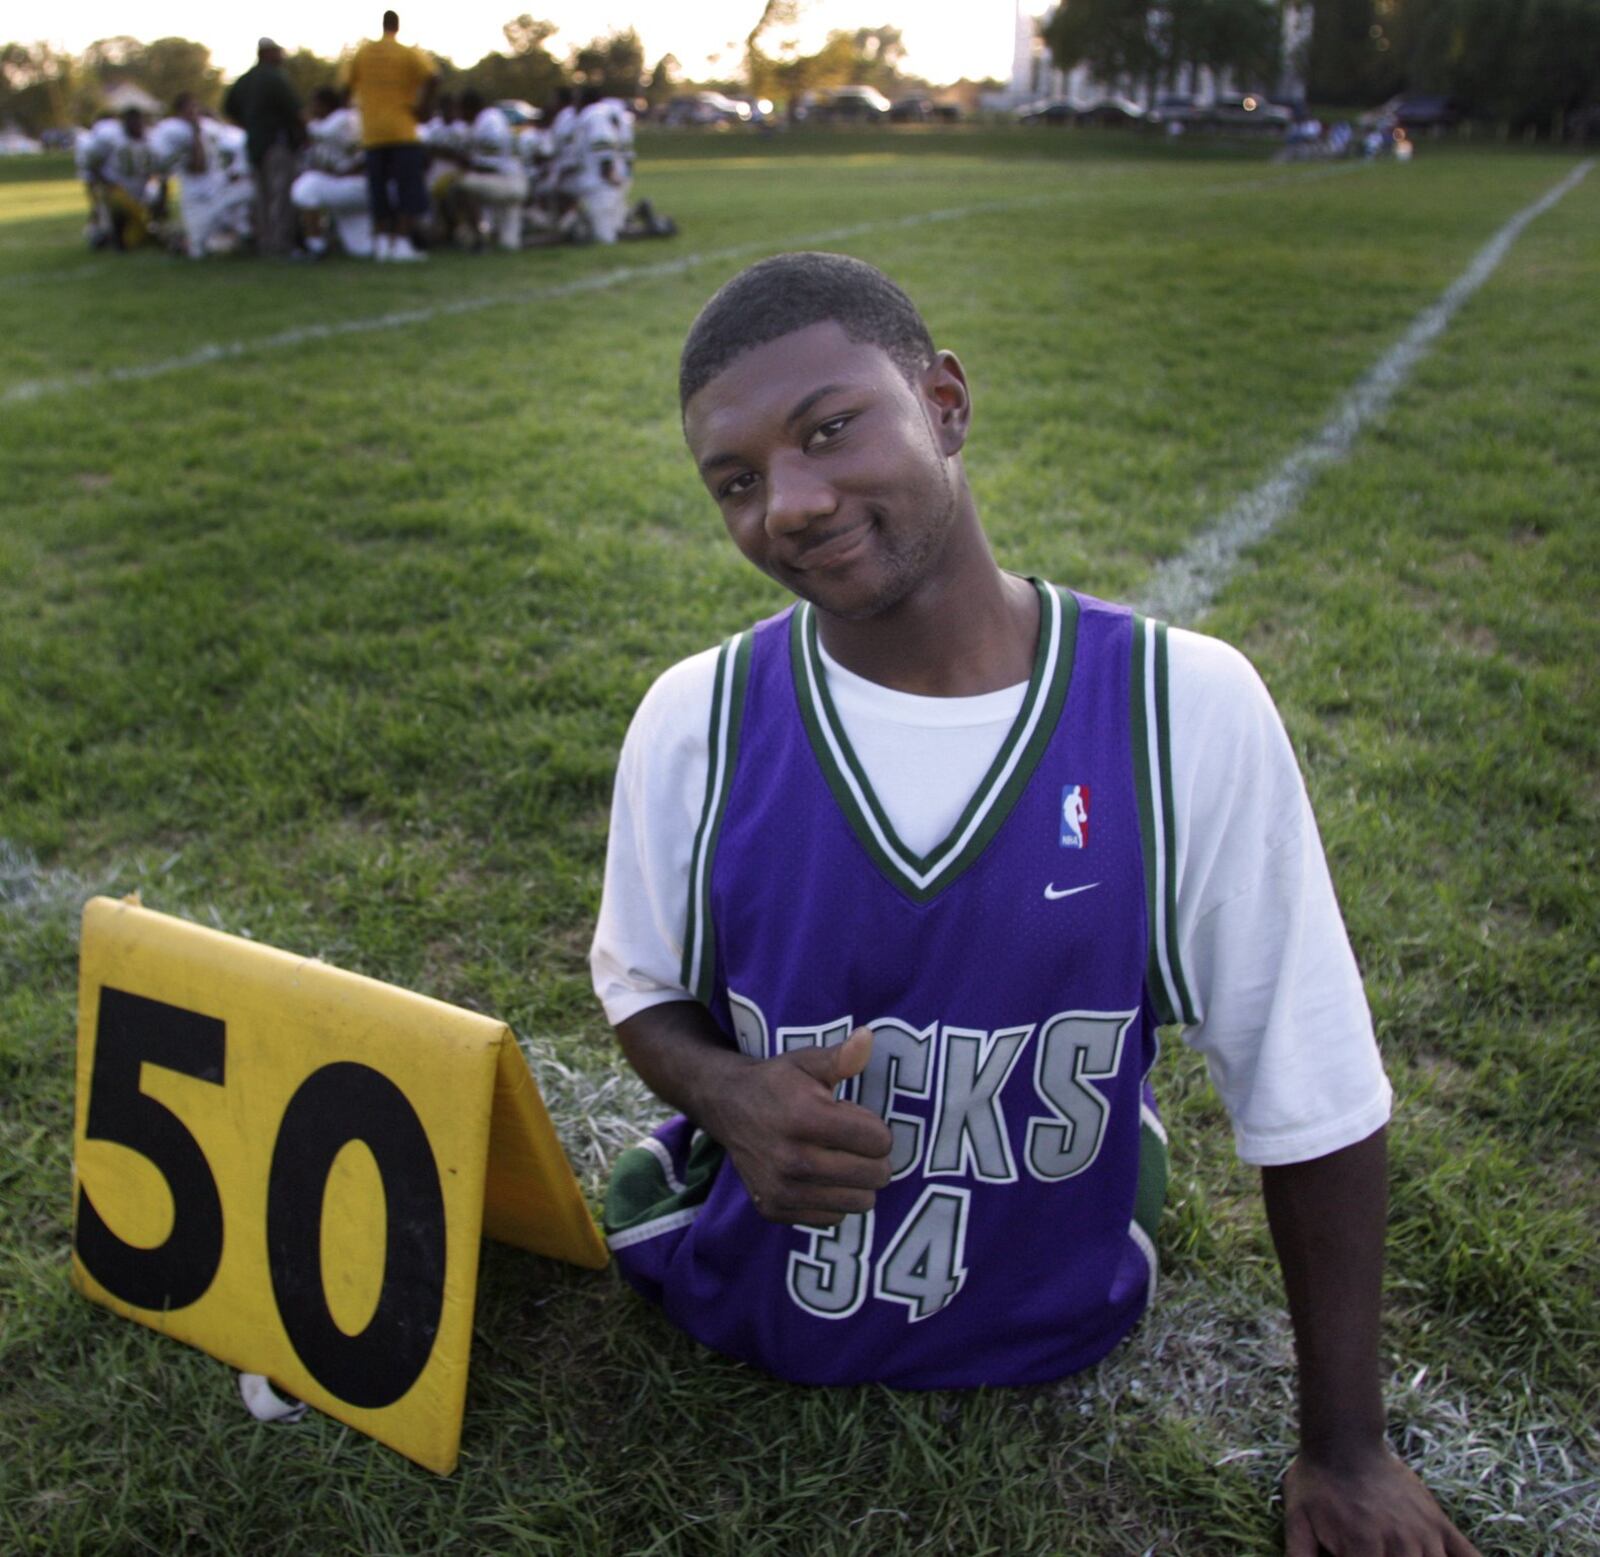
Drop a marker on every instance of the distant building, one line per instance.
(123, 95)
(1034, 74)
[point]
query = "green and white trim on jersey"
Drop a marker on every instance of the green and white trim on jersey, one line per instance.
(646, 1197)
(1151, 733)
(727, 713)
(923, 876)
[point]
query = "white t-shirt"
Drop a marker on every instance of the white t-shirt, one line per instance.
(1283, 1020)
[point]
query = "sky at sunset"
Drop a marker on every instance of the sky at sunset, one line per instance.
(944, 39)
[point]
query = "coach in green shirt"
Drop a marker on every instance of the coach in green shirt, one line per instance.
(264, 103)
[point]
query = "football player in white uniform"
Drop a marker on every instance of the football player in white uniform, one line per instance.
(97, 231)
(334, 181)
(444, 137)
(495, 181)
(562, 178)
(216, 196)
(535, 147)
(603, 138)
(116, 167)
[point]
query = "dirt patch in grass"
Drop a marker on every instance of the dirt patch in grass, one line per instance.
(1477, 641)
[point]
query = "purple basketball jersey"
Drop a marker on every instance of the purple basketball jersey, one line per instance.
(1004, 976)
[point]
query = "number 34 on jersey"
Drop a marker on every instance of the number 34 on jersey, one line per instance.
(960, 1132)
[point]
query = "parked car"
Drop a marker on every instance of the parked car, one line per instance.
(852, 105)
(924, 110)
(13, 143)
(1048, 110)
(1252, 111)
(1418, 111)
(1584, 126)
(1113, 112)
(1175, 108)
(705, 109)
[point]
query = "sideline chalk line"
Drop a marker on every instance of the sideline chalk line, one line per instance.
(599, 281)
(28, 278)
(1183, 587)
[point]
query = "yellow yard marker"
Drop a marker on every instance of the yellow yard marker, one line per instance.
(290, 1166)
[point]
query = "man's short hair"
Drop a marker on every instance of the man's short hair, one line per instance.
(391, 21)
(788, 292)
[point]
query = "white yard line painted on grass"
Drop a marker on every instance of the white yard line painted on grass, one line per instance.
(27, 278)
(32, 889)
(600, 281)
(1182, 587)
(108, 266)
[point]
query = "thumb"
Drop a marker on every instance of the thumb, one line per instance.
(840, 1061)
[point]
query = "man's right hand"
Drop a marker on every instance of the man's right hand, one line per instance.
(804, 1155)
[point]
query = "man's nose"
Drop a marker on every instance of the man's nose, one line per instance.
(796, 494)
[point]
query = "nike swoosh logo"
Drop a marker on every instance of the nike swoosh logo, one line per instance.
(1051, 893)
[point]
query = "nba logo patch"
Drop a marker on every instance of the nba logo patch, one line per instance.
(1075, 816)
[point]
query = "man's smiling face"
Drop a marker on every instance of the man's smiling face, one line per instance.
(834, 474)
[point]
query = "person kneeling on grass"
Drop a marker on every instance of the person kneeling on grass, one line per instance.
(494, 183)
(216, 197)
(333, 185)
(603, 136)
(901, 883)
(117, 169)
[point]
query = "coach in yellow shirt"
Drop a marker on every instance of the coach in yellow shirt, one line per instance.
(392, 86)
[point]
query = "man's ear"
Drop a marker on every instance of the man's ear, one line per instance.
(944, 385)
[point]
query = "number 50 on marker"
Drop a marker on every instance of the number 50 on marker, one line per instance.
(290, 1167)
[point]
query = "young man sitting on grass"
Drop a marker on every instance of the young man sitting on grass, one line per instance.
(901, 883)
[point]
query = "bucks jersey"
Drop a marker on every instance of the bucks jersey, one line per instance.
(1013, 977)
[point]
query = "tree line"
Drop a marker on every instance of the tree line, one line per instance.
(43, 87)
(1150, 46)
(1530, 65)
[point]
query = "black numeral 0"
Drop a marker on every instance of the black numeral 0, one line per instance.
(340, 1103)
(134, 1031)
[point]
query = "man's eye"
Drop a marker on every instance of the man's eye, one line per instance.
(738, 485)
(827, 430)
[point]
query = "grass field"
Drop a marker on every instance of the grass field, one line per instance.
(326, 594)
